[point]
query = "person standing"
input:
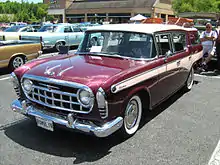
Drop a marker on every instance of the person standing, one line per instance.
(207, 39)
(217, 50)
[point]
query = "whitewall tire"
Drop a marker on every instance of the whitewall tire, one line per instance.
(132, 116)
(190, 80)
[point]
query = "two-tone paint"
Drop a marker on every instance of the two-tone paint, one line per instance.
(120, 78)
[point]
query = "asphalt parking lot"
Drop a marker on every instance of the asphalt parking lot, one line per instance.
(184, 130)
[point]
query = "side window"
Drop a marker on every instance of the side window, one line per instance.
(24, 30)
(194, 38)
(179, 41)
(67, 29)
(76, 29)
(163, 44)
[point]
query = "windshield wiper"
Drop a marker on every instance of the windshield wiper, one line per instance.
(102, 54)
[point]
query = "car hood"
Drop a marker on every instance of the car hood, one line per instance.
(84, 69)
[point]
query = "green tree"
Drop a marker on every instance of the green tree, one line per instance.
(4, 18)
(24, 11)
(180, 6)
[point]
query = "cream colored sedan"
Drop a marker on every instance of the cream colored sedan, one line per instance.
(15, 53)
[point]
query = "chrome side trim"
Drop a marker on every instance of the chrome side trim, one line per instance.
(4, 61)
(151, 73)
(86, 127)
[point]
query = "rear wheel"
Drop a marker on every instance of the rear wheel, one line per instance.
(58, 44)
(132, 116)
(189, 81)
(16, 62)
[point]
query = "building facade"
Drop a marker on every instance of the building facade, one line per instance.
(116, 11)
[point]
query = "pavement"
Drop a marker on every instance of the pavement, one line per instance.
(184, 130)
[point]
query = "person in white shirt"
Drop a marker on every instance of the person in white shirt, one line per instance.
(207, 39)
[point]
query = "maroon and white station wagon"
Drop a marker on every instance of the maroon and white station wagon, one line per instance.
(117, 72)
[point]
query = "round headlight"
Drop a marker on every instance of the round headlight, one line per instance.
(85, 98)
(27, 85)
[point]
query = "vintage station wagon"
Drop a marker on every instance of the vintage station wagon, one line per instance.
(117, 72)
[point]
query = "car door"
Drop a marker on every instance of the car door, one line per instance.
(78, 35)
(168, 80)
(68, 32)
(182, 56)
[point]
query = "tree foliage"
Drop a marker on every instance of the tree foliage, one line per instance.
(180, 6)
(23, 12)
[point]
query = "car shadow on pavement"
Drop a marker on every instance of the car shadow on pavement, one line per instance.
(4, 71)
(151, 114)
(62, 143)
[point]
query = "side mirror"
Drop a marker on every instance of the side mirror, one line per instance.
(63, 49)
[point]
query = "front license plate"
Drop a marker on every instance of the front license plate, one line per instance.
(44, 123)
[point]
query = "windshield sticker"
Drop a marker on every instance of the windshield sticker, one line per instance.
(96, 49)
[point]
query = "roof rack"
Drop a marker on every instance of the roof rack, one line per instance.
(185, 22)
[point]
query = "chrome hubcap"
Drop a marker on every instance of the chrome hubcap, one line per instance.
(18, 61)
(58, 45)
(131, 114)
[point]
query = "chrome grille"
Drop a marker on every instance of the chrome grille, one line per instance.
(56, 96)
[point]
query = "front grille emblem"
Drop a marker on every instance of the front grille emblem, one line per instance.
(50, 87)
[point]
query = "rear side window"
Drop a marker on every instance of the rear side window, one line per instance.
(179, 41)
(163, 43)
(68, 29)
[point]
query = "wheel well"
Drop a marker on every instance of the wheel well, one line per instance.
(20, 55)
(62, 42)
(145, 99)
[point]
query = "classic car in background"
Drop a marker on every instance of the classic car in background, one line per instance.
(14, 32)
(55, 35)
(109, 82)
(15, 53)
(51, 35)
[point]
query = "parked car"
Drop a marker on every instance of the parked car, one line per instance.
(14, 32)
(15, 53)
(20, 28)
(55, 35)
(107, 84)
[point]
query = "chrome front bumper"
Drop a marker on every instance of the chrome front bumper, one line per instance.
(88, 127)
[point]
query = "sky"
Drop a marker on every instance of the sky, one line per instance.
(35, 1)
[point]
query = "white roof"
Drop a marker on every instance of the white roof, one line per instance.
(142, 28)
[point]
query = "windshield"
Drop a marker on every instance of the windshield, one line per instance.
(13, 29)
(48, 28)
(121, 44)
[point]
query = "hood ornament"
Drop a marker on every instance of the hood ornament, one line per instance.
(50, 71)
(60, 73)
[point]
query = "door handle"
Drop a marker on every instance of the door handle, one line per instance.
(178, 63)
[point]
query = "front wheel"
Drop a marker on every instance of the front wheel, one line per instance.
(16, 62)
(132, 116)
(189, 81)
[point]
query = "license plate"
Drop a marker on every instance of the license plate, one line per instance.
(44, 123)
